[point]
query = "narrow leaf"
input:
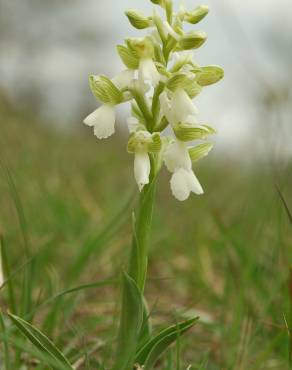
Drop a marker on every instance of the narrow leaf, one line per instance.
(40, 341)
(150, 352)
(130, 325)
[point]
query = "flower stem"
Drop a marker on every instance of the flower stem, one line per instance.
(141, 232)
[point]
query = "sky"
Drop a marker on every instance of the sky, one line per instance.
(49, 49)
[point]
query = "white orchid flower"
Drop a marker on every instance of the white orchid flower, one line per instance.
(148, 72)
(142, 168)
(180, 108)
(176, 156)
(184, 182)
(102, 120)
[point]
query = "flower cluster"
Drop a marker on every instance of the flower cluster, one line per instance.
(160, 80)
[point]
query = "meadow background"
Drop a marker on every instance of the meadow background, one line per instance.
(66, 198)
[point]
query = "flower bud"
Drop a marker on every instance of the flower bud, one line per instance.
(128, 57)
(200, 151)
(137, 19)
(189, 132)
(209, 75)
(192, 40)
(197, 15)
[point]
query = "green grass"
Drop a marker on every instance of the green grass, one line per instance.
(65, 221)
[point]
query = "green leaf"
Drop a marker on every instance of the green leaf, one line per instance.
(155, 347)
(41, 342)
(130, 324)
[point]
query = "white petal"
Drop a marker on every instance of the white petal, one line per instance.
(148, 71)
(177, 156)
(183, 183)
(166, 107)
(194, 184)
(103, 121)
(179, 185)
(182, 106)
(142, 169)
(124, 79)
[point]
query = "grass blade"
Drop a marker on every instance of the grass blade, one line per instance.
(6, 272)
(150, 352)
(40, 341)
(6, 353)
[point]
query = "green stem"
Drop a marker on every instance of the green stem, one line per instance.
(143, 106)
(141, 232)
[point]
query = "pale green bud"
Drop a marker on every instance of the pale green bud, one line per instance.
(104, 90)
(200, 151)
(192, 40)
(137, 19)
(197, 15)
(209, 75)
(143, 141)
(128, 57)
(142, 47)
(187, 132)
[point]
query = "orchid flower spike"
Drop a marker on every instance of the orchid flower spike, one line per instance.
(160, 80)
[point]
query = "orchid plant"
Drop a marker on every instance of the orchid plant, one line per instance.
(160, 81)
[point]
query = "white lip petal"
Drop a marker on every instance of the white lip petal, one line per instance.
(177, 156)
(124, 79)
(194, 184)
(148, 71)
(142, 169)
(182, 106)
(183, 183)
(102, 120)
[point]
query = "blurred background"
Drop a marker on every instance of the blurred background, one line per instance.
(67, 198)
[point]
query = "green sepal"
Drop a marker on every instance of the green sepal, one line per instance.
(137, 19)
(209, 75)
(180, 80)
(200, 151)
(141, 47)
(156, 144)
(196, 15)
(193, 89)
(143, 141)
(128, 57)
(192, 40)
(97, 89)
(104, 90)
(187, 132)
